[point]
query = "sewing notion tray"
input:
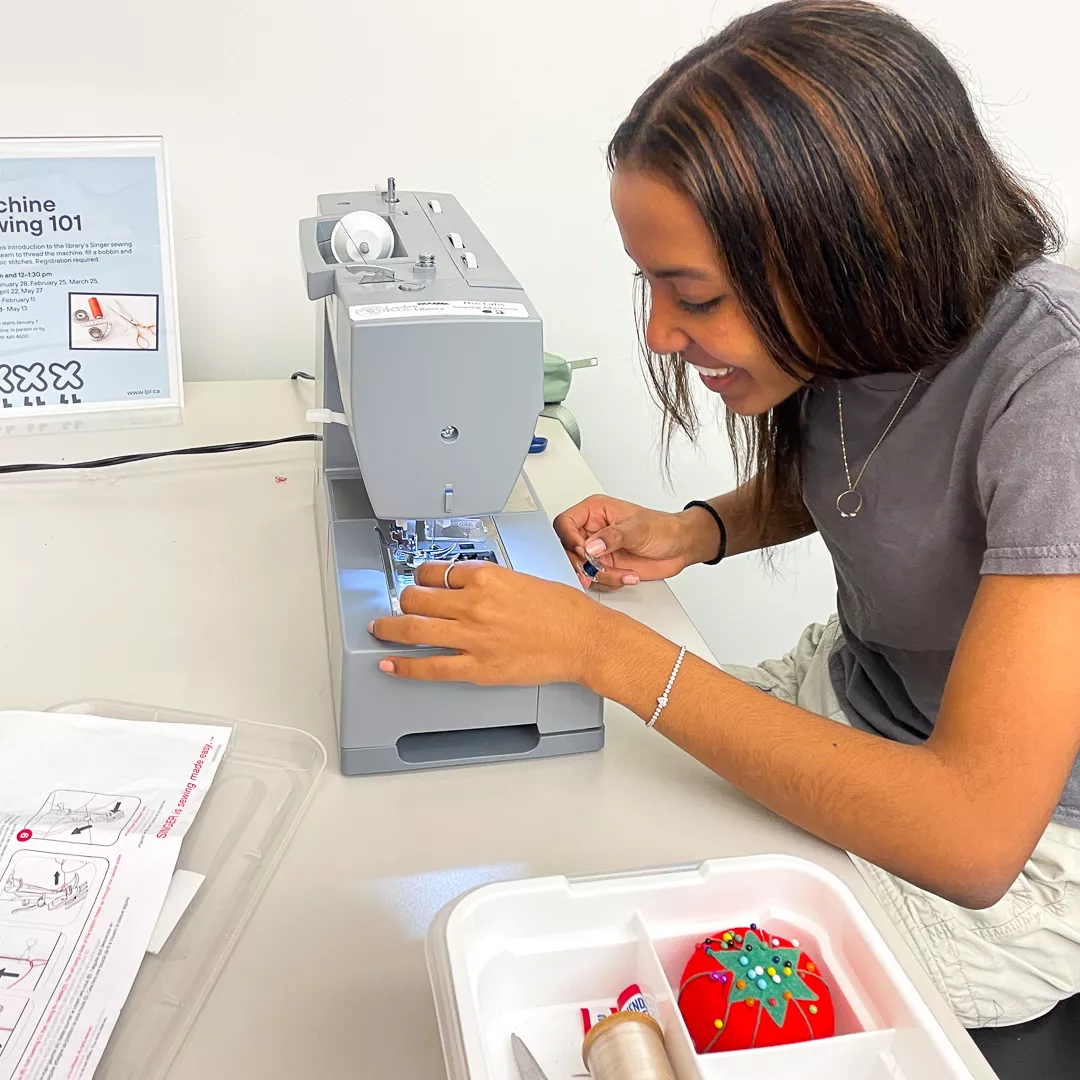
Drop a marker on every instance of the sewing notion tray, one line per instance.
(526, 956)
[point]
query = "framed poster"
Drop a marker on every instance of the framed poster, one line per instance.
(88, 313)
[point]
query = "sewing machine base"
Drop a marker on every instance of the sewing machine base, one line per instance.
(391, 725)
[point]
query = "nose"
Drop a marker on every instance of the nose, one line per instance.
(662, 333)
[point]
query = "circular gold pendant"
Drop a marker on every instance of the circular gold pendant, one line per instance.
(849, 503)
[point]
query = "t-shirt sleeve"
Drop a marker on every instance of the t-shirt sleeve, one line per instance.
(1029, 474)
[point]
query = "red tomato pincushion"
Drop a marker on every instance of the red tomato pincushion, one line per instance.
(744, 988)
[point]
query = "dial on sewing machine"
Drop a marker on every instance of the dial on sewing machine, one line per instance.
(430, 372)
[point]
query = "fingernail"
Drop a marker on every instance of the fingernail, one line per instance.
(371, 627)
(595, 547)
(630, 579)
(387, 666)
(586, 581)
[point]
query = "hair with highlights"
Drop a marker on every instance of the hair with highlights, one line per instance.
(836, 159)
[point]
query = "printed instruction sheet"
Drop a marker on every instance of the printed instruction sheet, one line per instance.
(92, 814)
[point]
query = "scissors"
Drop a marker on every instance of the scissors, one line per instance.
(526, 1063)
(140, 340)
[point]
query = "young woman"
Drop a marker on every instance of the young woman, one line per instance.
(828, 243)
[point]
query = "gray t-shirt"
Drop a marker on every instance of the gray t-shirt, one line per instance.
(979, 475)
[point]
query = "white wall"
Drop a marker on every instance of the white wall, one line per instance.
(505, 104)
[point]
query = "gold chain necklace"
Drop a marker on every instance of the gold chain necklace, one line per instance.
(852, 499)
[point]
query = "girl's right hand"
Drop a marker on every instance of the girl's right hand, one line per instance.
(630, 544)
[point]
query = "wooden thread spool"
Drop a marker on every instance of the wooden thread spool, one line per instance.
(626, 1046)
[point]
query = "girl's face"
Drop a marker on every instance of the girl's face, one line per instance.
(692, 309)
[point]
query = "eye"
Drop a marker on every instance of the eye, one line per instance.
(703, 308)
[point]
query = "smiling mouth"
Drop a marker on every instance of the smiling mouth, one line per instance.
(714, 373)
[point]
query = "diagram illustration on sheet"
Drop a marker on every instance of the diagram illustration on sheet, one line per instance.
(53, 890)
(11, 1011)
(83, 817)
(25, 953)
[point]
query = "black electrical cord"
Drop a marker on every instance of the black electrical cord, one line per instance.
(127, 459)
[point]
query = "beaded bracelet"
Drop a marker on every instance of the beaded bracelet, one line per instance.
(662, 700)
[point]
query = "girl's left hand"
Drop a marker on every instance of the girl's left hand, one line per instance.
(507, 628)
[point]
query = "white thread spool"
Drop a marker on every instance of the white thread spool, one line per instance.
(626, 1046)
(361, 237)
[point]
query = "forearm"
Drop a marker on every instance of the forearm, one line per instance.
(738, 511)
(878, 799)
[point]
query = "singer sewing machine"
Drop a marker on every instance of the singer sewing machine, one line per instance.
(430, 375)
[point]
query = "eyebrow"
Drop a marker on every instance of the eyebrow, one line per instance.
(668, 272)
(682, 272)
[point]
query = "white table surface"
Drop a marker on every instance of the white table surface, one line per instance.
(192, 583)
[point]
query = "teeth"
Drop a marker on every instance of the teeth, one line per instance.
(715, 373)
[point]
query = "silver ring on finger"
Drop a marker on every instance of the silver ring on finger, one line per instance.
(446, 576)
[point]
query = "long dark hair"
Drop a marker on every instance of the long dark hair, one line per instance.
(835, 156)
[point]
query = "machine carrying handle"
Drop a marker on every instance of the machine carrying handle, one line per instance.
(318, 274)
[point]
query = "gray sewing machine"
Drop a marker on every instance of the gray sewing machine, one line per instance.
(430, 373)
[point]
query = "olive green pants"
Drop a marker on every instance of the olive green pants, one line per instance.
(1004, 965)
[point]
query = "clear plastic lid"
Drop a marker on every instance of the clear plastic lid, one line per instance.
(260, 793)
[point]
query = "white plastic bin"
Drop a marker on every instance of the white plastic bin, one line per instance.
(526, 956)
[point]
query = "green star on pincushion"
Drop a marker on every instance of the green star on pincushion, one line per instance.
(764, 973)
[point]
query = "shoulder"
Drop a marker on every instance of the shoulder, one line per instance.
(1031, 333)
(1044, 296)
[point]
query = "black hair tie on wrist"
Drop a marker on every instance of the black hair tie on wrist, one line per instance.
(719, 524)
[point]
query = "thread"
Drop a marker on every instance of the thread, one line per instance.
(362, 237)
(627, 1046)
